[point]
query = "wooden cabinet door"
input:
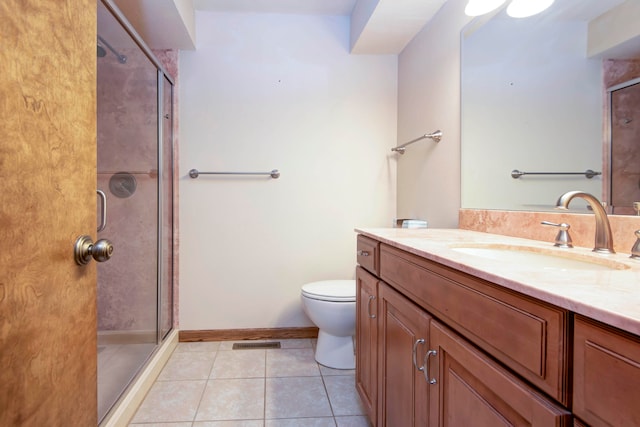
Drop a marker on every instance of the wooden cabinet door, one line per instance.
(471, 389)
(367, 340)
(47, 199)
(403, 330)
(606, 375)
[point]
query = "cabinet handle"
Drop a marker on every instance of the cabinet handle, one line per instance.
(415, 348)
(371, 298)
(433, 353)
(363, 253)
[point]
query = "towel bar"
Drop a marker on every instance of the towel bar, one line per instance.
(194, 173)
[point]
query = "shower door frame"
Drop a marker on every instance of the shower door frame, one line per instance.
(162, 75)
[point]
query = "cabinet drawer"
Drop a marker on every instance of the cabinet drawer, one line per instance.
(369, 254)
(606, 375)
(527, 335)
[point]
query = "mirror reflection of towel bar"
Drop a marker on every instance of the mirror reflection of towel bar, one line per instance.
(194, 173)
(515, 174)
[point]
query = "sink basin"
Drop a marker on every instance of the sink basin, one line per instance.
(540, 258)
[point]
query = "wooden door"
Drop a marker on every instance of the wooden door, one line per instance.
(367, 340)
(47, 200)
(403, 336)
(472, 390)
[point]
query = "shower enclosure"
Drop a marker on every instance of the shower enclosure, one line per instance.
(135, 204)
(624, 154)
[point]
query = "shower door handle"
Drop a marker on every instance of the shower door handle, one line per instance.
(103, 210)
(85, 249)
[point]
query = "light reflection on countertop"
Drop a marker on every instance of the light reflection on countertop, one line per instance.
(609, 295)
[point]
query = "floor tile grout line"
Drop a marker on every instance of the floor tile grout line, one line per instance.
(204, 389)
(213, 363)
(324, 384)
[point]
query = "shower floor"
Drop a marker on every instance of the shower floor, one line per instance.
(118, 364)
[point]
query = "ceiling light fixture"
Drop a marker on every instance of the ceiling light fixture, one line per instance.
(525, 8)
(481, 7)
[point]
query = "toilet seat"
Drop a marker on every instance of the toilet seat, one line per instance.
(331, 290)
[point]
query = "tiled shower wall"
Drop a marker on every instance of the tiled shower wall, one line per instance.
(625, 130)
(618, 71)
(127, 135)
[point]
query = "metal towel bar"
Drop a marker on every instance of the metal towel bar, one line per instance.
(436, 136)
(515, 174)
(194, 173)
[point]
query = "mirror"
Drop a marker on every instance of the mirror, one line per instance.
(535, 100)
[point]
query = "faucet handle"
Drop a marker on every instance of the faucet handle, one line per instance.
(563, 239)
(635, 250)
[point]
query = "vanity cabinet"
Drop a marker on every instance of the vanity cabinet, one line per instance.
(528, 336)
(455, 350)
(606, 375)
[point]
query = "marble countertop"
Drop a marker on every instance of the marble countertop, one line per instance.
(610, 295)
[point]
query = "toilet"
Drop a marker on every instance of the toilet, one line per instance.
(331, 306)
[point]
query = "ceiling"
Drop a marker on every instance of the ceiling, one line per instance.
(376, 26)
(298, 7)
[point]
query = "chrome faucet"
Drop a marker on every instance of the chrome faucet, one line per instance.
(604, 238)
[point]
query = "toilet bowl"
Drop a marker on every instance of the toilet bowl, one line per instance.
(331, 306)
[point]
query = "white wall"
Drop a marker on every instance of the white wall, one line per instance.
(264, 91)
(429, 99)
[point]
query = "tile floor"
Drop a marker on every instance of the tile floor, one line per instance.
(210, 385)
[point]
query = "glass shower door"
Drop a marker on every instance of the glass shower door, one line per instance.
(128, 156)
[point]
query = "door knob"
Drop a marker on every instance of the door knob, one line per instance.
(85, 249)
